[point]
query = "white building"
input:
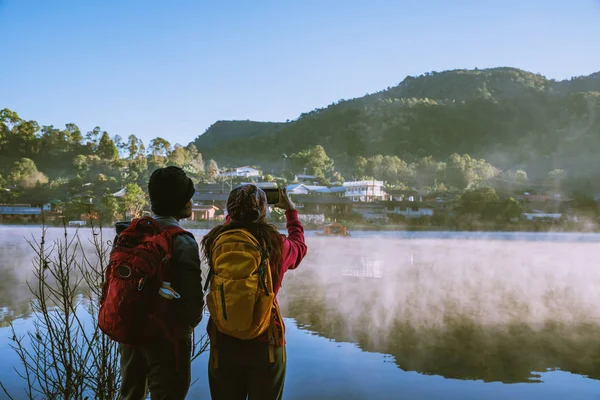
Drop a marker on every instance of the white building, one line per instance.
(301, 188)
(365, 191)
(244, 172)
(262, 185)
(542, 215)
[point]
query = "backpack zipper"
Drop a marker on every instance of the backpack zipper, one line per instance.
(222, 289)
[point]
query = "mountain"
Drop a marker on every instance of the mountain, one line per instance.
(223, 134)
(508, 116)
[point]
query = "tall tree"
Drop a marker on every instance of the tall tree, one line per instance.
(92, 138)
(315, 160)
(106, 148)
(478, 201)
(110, 208)
(177, 157)
(120, 144)
(25, 173)
(212, 170)
(133, 146)
(75, 135)
(134, 200)
(360, 167)
(196, 161)
(159, 147)
(426, 172)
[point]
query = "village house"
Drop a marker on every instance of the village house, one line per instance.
(300, 188)
(365, 191)
(23, 212)
(409, 209)
(218, 200)
(371, 211)
(327, 204)
(242, 172)
(307, 179)
(403, 195)
(262, 185)
(203, 212)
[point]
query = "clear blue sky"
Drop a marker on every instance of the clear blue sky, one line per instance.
(172, 68)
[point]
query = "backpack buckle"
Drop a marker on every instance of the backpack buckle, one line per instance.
(141, 283)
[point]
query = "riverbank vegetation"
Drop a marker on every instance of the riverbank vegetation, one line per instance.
(65, 355)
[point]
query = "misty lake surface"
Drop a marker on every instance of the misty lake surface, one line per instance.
(409, 315)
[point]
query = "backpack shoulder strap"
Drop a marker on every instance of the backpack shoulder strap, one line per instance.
(177, 230)
(172, 232)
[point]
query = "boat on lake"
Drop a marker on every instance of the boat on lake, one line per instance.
(334, 229)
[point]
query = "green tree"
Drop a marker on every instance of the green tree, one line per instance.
(134, 200)
(478, 201)
(159, 147)
(426, 172)
(212, 170)
(457, 174)
(92, 138)
(360, 167)
(25, 173)
(80, 162)
(511, 209)
(120, 144)
(521, 178)
(177, 157)
(390, 168)
(133, 146)
(110, 208)
(277, 215)
(75, 135)
(268, 178)
(106, 148)
(315, 160)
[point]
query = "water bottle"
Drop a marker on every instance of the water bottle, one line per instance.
(167, 291)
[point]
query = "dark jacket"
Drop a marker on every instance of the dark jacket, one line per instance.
(187, 277)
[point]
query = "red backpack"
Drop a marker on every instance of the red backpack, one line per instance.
(131, 310)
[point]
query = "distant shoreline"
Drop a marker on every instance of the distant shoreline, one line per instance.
(367, 227)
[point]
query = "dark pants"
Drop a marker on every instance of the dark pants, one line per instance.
(153, 368)
(243, 370)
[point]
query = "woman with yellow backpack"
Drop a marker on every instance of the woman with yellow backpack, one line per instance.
(247, 259)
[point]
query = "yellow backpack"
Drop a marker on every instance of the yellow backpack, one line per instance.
(241, 299)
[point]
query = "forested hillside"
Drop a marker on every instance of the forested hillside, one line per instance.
(456, 130)
(511, 118)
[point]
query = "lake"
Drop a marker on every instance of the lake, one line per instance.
(410, 315)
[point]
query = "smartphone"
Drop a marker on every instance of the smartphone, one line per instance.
(272, 195)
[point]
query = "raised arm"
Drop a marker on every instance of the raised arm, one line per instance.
(294, 246)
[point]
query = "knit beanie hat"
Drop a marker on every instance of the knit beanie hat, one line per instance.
(247, 203)
(170, 189)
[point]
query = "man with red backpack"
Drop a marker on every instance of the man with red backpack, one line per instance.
(152, 297)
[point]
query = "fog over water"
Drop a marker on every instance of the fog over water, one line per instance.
(378, 307)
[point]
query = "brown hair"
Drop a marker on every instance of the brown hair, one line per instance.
(246, 206)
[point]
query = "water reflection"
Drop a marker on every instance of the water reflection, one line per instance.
(18, 260)
(488, 310)
(485, 310)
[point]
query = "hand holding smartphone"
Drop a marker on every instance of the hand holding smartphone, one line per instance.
(273, 195)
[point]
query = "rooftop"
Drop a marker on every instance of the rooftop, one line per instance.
(364, 183)
(325, 199)
(210, 196)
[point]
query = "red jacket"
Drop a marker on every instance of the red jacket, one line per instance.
(294, 250)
